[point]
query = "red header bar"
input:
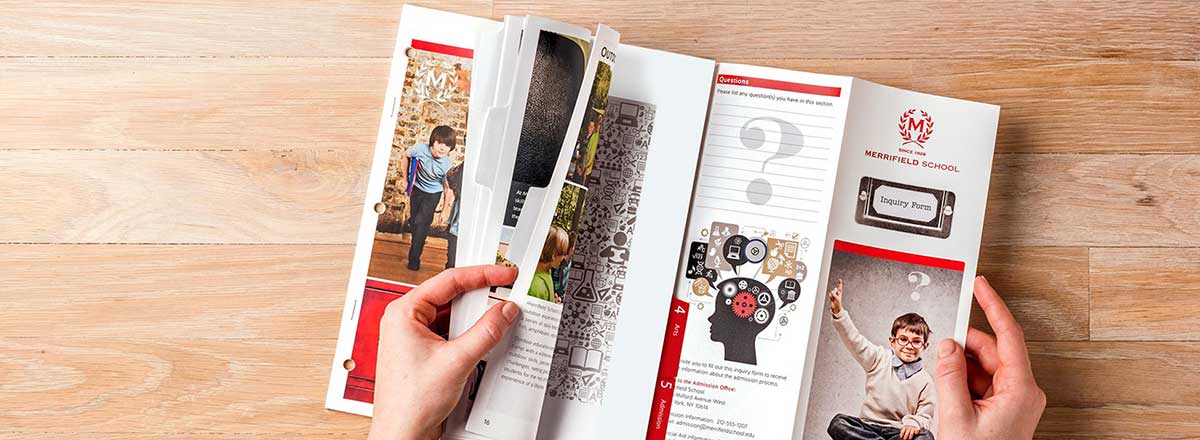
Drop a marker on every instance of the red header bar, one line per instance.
(442, 49)
(779, 85)
(902, 257)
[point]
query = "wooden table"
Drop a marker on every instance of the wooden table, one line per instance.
(180, 187)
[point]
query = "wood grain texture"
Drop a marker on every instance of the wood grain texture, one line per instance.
(270, 292)
(1094, 200)
(151, 384)
(1098, 106)
(301, 196)
(775, 29)
(168, 103)
(1046, 288)
(862, 29)
(1118, 390)
(289, 28)
(1145, 294)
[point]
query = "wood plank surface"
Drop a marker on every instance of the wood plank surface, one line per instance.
(297, 196)
(1163, 30)
(269, 292)
(708, 28)
(181, 185)
(152, 384)
(1099, 106)
(1118, 390)
(288, 28)
(1045, 287)
(1145, 294)
(189, 103)
(1094, 200)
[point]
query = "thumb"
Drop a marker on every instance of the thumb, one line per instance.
(954, 399)
(475, 343)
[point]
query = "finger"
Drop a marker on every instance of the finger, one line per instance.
(475, 343)
(450, 283)
(1010, 339)
(954, 399)
(982, 346)
(979, 381)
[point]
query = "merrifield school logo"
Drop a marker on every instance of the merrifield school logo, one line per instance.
(915, 130)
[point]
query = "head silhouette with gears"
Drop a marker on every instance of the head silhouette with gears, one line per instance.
(743, 309)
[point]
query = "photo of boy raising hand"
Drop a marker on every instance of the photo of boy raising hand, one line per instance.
(900, 401)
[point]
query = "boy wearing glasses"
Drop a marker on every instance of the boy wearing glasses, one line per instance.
(900, 393)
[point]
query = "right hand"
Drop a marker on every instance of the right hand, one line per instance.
(992, 395)
(835, 299)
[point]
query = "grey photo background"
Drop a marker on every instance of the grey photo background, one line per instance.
(875, 292)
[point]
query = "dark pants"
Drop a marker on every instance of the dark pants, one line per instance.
(844, 427)
(451, 249)
(420, 217)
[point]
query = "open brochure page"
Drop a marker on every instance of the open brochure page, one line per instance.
(739, 323)
(557, 67)
(645, 131)
(901, 253)
(409, 221)
(618, 287)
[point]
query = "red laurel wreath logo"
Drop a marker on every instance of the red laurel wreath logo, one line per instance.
(915, 130)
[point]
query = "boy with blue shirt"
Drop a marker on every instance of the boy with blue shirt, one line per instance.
(431, 163)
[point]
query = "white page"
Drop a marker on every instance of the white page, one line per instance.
(618, 293)
(436, 41)
(733, 356)
(904, 235)
(509, 401)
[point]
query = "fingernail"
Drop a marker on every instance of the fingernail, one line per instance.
(947, 347)
(509, 310)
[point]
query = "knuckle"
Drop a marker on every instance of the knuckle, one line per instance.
(396, 311)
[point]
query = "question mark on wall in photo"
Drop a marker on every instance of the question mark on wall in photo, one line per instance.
(759, 190)
(921, 279)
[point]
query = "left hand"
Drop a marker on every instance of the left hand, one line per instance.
(420, 376)
(907, 432)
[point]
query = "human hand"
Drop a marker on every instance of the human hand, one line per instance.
(907, 432)
(420, 376)
(992, 395)
(835, 299)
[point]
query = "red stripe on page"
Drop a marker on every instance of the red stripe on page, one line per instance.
(902, 257)
(810, 89)
(668, 369)
(442, 49)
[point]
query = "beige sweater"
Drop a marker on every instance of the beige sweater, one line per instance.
(890, 401)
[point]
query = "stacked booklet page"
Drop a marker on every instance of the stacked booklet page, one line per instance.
(706, 250)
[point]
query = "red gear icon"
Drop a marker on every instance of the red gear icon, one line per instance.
(744, 304)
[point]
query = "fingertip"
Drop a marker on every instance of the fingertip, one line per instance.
(947, 347)
(510, 311)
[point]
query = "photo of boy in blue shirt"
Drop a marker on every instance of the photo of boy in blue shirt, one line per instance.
(431, 162)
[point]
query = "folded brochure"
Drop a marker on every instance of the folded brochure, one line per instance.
(666, 211)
